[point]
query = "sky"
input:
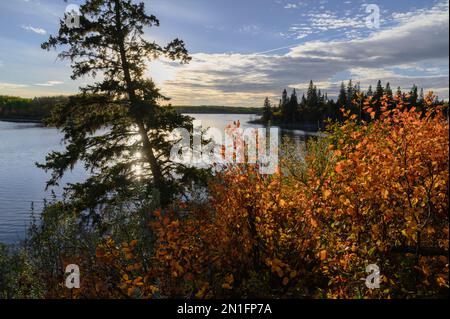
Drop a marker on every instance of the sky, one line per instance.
(245, 50)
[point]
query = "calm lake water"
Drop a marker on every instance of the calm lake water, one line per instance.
(22, 184)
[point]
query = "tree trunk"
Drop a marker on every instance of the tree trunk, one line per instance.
(146, 143)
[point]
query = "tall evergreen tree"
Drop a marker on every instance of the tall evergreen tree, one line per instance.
(388, 91)
(369, 91)
(116, 126)
(377, 96)
(284, 103)
(267, 110)
(379, 91)
(292, 108)
(342, 98)
(413, 96)
(312, 98)
(350, 93)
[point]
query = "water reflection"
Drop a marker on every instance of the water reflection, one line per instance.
(22, 184)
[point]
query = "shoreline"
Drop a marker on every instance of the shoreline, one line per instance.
(306, 127)
(21, 120)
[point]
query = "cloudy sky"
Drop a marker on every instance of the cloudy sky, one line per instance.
(245, 50)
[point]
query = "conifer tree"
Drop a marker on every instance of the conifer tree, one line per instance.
(388, 91)
(284, 104)
(350, 93)
(116, 126)
(292, 107)
(342, 98)
(377, 96)
(413, 96)
(267, 110)
(369, 91)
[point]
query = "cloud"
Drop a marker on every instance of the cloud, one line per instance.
(33, 29)
(330, 21)
(250, 28)
(291, 6)
(49, 83)
(11, 86)
(245, 79)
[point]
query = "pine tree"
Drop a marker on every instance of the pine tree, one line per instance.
(284, 104)
(116, 125)
(369, 91)
(388, 91)
(379, 91)
(267, 110)
(342, 98)
(413, 96)
(292, 107)
(350, 93)
(377, 96)
(312, 98)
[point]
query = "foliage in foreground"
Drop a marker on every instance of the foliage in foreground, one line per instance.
(366, 194)
(372, 194)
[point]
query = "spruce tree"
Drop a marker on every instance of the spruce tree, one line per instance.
(369, 91)
(342, 98)
(350, 94)
(267, 110)
(292, 107)
(116, 127)
(377, 96)
(379, 91)
(413, 96)
(284, 105)
(389, 93)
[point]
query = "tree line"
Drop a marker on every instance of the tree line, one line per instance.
(39, 108)
(18, 108)
(315, 108)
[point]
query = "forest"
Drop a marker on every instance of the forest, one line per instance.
(315, 109)
(39, 108)
(16, 108)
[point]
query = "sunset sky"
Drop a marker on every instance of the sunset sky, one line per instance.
(246, 50)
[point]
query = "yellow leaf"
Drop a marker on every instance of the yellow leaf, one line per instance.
(326, 193)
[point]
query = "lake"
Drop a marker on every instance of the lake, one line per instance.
(22, 184)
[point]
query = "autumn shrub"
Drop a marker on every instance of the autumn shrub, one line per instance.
(386, 203)
(368, 193)
(365, 194)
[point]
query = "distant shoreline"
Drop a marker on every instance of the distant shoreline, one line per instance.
(180, 109)
(21, 120)
(307, 127)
